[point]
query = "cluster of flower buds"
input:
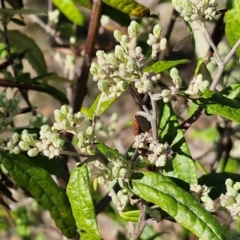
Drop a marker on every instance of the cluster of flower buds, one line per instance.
(12, 143)
(120, 199)
(87, 140)
(160, 153)
(155, 41)
(50, 142)
(38, 120)
(230, 200)
(201, 193)
(67, 121)
(115, 71)
(157, 153)
(8, 109)
(193, 10)
(197, 85)
(167, 94)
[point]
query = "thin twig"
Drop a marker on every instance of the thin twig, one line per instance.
(140, 225)
(154, 118)
(210, 41)
(221, 66)
(47, 28)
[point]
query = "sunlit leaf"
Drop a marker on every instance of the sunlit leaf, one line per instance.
(78, 191)
(181, 205)
(69, 9)
(164, 65)
(232, 25)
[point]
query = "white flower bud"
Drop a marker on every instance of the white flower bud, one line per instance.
(157, 31)
(117, 35)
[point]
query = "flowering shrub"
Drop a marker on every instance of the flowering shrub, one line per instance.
(156, 178)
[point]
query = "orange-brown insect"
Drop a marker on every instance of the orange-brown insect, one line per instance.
(140, 124)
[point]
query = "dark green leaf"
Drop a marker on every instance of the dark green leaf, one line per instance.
(53, 166)
(52, 77)
(202, 69)
(99, 106)
(68, 8)
(232, 25)
(232, 91)
(42, 187)
(57, 94)
(181, 205)
(216, 181)
(78, 191)
(116, 15)
(182, 165)
(216, 103)
(18, 22)
(33, 54)
(24, 78)
(164, 65)
(21, 11)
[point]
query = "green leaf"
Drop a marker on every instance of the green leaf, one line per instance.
(52, 77)
(182, 165)
(131, 216)
(181, 205)
(232, 91)
(216, 103)
(49, 89)
(232, 25)
(100, 106)
(34, 55)
(104, 149)
(116, 15)
(21, 11)
(164, 65)
(68, 8)
(202, 69)
(43, 188)
(53, 166)
(18, 22)
(78, 191)
(130, 7)
(216, 181)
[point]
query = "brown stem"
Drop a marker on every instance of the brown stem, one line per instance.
(81, 89)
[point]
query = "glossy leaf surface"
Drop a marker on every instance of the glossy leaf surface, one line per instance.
(181, 205)
(78, 191)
